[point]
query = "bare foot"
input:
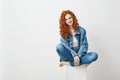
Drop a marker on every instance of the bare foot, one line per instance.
(86, 65)
(64, 63)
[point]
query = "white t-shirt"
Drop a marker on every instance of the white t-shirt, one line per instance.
(75, 41)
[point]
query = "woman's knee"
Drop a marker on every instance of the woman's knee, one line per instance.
(59, 47)
(93, 56)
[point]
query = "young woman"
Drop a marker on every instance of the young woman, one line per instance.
(73, 47)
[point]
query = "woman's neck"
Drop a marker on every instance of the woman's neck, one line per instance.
(72, 31)
(71, 27)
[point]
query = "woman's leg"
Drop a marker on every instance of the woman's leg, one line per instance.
(89, 58)
(64, 54)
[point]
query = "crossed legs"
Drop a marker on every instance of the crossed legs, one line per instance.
(67, 58)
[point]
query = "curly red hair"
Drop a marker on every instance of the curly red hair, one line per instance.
(64, 28)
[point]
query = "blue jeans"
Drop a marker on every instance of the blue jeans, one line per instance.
(65, 55)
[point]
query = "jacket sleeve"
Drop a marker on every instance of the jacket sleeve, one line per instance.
(65, 43)
(83, 43)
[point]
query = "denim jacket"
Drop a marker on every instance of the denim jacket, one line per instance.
(82, 40)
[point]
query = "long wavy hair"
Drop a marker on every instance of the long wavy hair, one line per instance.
(64, 28)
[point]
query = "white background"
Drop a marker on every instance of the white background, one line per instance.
(29, 34)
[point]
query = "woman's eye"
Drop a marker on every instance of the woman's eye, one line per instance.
(66, 19)
(70, 17)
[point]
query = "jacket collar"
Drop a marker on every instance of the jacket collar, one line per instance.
(77, 31)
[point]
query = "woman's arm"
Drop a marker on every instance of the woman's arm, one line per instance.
(84, 43)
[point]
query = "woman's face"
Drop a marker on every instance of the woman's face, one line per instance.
(68, 20)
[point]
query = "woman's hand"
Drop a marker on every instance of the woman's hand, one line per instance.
(76, 60)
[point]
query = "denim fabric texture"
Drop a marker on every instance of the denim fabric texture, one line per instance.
(66, 53)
